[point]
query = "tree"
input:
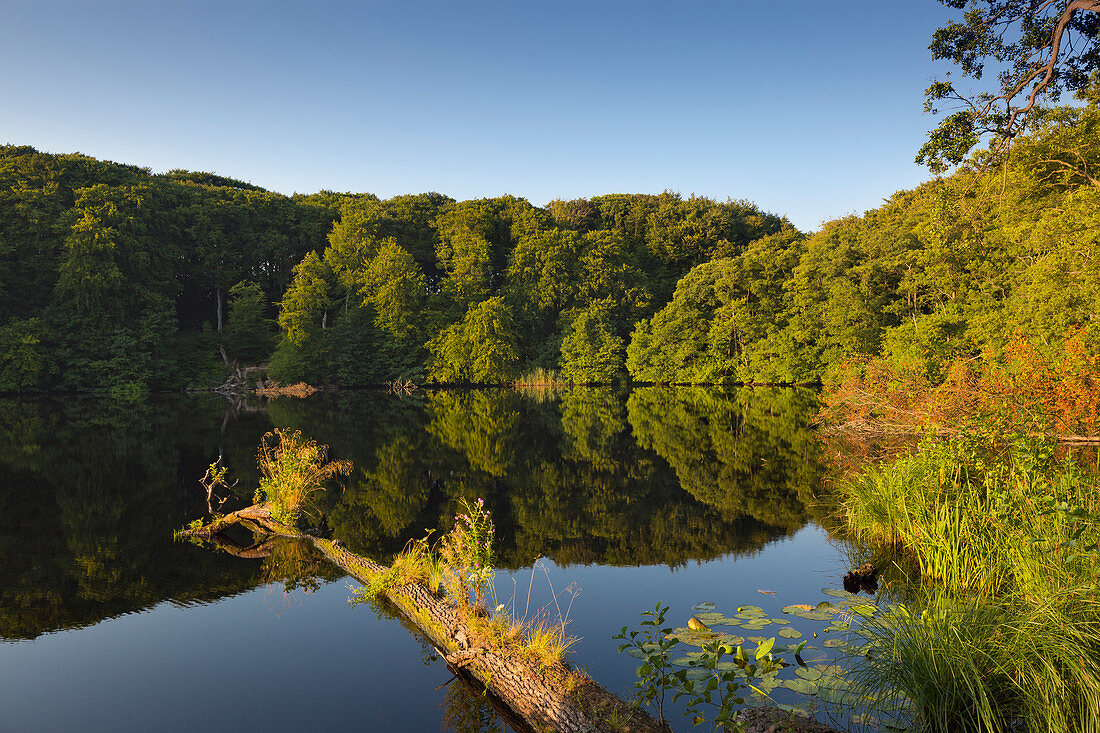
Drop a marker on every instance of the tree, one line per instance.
(480, 349)
(393, 283)
(248, 333)
(591, 352)
(1042, 48)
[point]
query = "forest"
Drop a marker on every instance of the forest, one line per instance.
(122, 281)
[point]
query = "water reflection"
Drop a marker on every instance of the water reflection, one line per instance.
(91, 491)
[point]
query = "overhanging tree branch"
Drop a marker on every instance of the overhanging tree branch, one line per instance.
(1044, 48)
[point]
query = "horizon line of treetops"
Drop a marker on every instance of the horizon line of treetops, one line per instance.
(119, 280)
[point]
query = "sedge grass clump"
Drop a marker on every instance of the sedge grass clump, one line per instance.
(547, 641)
(293, 469)
(1002, 630)
(981, 665)
(417, 563)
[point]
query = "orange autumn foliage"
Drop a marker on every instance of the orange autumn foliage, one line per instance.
(1024, 388)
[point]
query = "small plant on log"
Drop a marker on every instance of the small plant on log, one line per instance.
(466, 554)
(417, 563)
(293, 469)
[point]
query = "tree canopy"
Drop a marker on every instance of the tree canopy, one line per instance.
(1036, 49)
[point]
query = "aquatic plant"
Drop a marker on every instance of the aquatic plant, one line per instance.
(653, 645)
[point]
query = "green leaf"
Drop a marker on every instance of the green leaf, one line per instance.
(835, 593)
(800, 685)
(788, 633)
(763, 649)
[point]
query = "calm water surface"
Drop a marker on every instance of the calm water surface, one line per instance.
(626, 499)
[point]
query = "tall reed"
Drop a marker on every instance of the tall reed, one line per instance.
(1003, 631)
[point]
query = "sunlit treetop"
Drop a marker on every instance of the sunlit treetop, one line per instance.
(1036, 48)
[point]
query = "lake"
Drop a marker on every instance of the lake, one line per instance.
(610, 501)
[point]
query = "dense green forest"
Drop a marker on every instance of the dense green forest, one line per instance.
(117, 279)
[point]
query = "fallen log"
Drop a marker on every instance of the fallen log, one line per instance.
(544, 696)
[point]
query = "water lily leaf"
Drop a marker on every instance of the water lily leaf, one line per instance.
(832, 643)
(732, 639)
(808, 673)
(795, 709)
(681, 662)
(824, 605)
(836, 593)
(832, 682)
(865, 609)
(804, 686)
(782, 621)
(766, 684)
(839, 697)
(705, 606)
(637, 653)
(788, 633)
(726, 621)
(757, 639)
(794, 607)
(751, 609)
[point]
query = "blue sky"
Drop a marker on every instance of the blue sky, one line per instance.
(809, 109)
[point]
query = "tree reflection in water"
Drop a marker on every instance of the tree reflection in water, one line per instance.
(91, 491)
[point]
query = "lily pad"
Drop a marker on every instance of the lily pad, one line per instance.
(837, 593)
(839, 697)
(788, 633)
(808, 673)
(831, 670)
(796, 607)
(799, 685)
(705, 606)
(751, 609)
(727, 621)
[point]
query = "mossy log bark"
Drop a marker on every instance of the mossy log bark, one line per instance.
(546, 697)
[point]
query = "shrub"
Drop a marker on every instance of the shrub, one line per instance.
(293, 469)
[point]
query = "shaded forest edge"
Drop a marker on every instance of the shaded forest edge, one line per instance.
(123, 281)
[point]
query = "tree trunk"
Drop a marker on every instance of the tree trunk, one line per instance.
(219, 296)
(544, 696)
